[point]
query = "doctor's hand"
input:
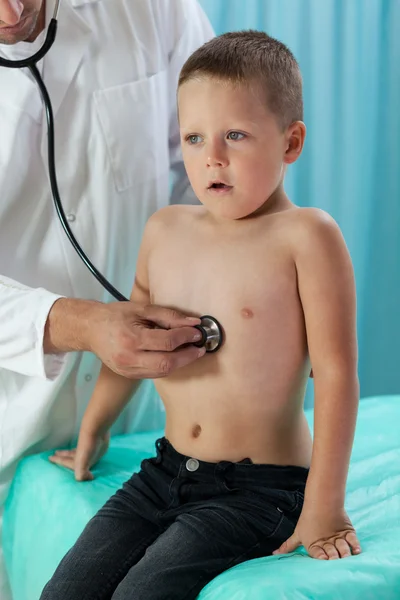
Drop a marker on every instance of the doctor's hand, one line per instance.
(134, 340)
(90, 449)
(139, 341)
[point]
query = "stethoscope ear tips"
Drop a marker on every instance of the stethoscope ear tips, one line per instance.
(212, 333)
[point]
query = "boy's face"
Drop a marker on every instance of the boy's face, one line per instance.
(235, 154)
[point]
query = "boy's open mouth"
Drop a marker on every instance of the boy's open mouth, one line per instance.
(219, 185)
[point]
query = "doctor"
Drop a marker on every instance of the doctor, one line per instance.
(112, 76)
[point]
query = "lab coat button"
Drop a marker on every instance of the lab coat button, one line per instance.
(88, 377)
(71, 217)
(192, 464)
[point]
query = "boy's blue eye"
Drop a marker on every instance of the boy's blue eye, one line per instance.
(235, 135)
(194, 139)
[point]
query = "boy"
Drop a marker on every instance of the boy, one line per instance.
(236, 476)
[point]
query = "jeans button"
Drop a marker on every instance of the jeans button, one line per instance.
(192, 464)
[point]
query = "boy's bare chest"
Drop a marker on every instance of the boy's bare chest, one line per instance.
(251, 288)
(245, 282)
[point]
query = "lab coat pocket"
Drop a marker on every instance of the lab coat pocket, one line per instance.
(134, 120)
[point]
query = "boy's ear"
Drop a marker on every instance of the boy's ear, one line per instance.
(295, 136)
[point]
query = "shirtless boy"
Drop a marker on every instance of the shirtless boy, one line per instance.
(237, 475)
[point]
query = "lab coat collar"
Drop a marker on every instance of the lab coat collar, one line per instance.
(63, 59)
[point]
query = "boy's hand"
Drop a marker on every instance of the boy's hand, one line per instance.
(325, 536)
(90, 449)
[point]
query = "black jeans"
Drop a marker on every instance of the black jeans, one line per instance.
(176, 525)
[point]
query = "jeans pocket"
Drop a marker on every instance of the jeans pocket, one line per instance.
(287, 501)
(229, 488)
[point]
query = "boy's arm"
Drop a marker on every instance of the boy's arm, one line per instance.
(327, 292)
(112, 391)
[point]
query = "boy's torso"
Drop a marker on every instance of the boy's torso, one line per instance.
(246, 400)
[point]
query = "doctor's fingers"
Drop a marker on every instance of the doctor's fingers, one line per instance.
(167, 340)
(152, 365)
(167, 317)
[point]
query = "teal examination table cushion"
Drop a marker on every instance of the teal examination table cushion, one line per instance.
(46, 511)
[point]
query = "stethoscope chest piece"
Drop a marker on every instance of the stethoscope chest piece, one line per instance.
(212, 334)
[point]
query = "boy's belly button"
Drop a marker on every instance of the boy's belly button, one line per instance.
(196, 430)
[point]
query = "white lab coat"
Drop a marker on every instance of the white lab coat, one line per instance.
(112, 76)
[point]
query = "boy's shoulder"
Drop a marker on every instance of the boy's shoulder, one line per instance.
(311, 230)
(309, 217)
(170, 222)
(309, 222)
(175, 214)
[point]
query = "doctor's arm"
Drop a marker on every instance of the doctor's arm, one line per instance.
(23, 316)
(38, 328)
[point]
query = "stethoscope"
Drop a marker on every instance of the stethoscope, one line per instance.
(211, 330)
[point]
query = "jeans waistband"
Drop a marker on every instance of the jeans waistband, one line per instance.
(276, 476)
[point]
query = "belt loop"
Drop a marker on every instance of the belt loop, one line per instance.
(160, 445)
(221, 469)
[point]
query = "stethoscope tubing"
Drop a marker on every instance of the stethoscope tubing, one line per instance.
(30, 63)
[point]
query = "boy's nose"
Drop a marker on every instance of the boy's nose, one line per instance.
(10, 12)
(217, 159)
